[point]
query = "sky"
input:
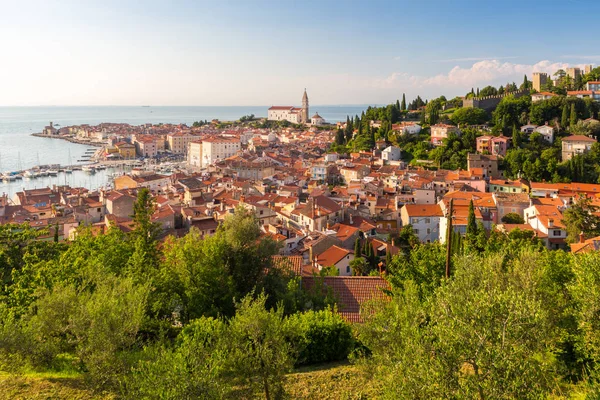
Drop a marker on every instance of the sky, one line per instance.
(220, 53)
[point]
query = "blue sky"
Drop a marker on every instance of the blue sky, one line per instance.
(265, 52)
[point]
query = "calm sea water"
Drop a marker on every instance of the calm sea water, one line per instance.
(19, 150)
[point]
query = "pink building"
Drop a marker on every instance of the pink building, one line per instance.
(496, 145)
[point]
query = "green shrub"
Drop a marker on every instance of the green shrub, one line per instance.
(325, 337)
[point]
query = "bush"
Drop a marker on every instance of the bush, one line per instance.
(325, 337)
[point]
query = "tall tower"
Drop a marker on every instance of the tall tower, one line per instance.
(305, 107)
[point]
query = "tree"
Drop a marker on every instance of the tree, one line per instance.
(484, 334)
(573, 118)
(359, 266)
(469, 116)
(261, 351)
(517, 138)
(564, 121)
(581, 218)
(403, 104)
(513, 218)
(471, 223)
(340, 139)
(357, 248)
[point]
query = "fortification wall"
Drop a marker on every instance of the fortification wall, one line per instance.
(489, 103)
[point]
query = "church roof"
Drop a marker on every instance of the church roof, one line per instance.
(317, 116)
(281, 108)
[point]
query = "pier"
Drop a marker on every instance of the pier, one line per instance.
(69, 139)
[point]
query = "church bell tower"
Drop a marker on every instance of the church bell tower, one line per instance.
(305, 107)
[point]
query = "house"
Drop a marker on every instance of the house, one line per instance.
(488, 163)
(354, 172)
(547, 221)
(576, 144)
(547, 132)
(506, 186)
(337, 257)
(594, 86)
(541, 96)
(125, 150)
(507, 203)
(391, 153)
(585, 246)
(528, 129)
(352, 292)
(424, 219)
(439, 132)
(120, 203)
(496, 145)
(154, 182)
(406, 128)
(581, 94)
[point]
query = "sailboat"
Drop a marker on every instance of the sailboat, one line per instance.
(69, 170)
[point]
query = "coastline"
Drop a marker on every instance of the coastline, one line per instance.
(68, 139)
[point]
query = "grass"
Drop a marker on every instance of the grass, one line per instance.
(46, 386)
(340, 381)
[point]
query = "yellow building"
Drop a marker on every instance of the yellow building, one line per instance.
(126, 150)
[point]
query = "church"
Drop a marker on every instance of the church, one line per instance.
(294, 115)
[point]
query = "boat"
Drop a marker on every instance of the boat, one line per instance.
(18, 176)
(88, 168)
(8, 177)
(43, 172)
(52, 172)
(29, 174)
(68, 170)
(100, 166)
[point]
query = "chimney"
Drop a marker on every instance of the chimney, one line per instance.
(350, 215)
(550, 222)
(393, 242)
(310, 254)
(581, 237)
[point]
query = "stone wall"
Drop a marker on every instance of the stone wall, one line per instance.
(489, 103)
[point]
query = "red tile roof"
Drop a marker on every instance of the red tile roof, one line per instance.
(352, 292)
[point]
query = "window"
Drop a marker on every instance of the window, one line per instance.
(428, 231)
(416, 231)
(348, 269)
(556, 232)
(427, 220)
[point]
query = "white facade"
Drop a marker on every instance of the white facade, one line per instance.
(195, 154)
(547, 133)
(294, 115)
(391, 153)
(217, 149)
(440, 132)
(424, 219)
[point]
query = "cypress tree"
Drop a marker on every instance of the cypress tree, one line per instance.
(564, 121)
(516, 137)
(525, 82)
(397, 105)
(357, 251)
(471, 222)
(56, 233)
(403, 105)
(477, 92)
(573, 120)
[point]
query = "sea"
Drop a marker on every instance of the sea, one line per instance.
(19, 150)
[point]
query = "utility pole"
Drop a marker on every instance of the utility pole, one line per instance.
(449, 232)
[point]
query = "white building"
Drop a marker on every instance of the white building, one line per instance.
(407, 128)
(294, 115)
(391, 153)
(439, 132)
(425, 220)
(208, 151)
(547, 132)
(317, 120)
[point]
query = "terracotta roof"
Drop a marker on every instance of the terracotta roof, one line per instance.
(351, 292)
(292, 263)
(578, 138)
(332, 256)
(423, 210)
